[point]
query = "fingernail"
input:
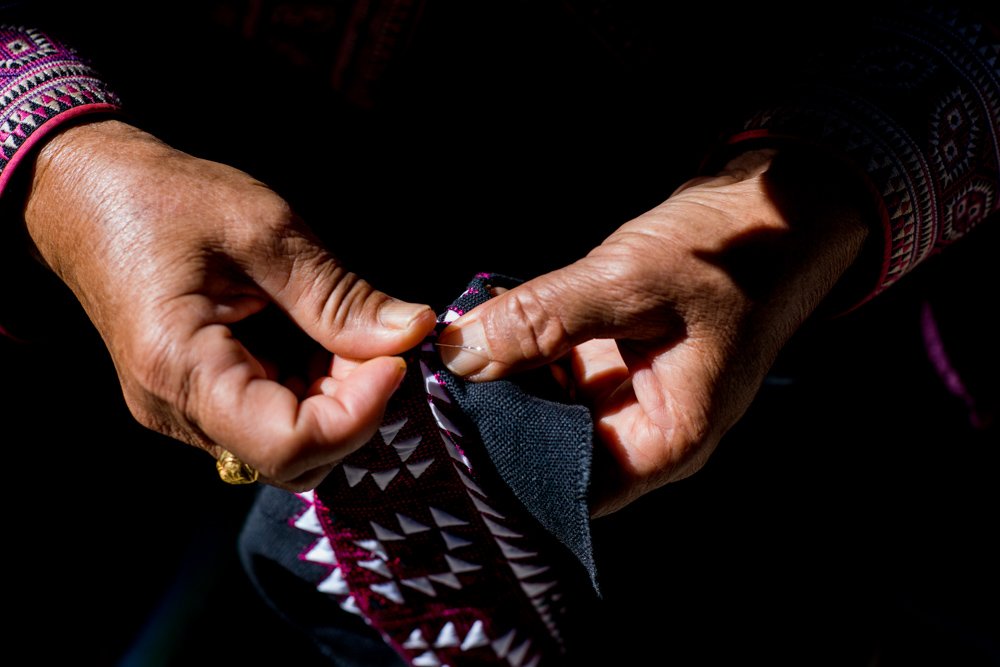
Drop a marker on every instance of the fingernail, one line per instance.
(400, 314)
(464, 349)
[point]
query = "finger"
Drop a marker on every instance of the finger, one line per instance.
(598, 369)
(530, 325)
(334, 306)
(607, 294)
(264, 423)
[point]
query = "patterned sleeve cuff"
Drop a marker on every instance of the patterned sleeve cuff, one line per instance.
(916, 110)
(43, 84)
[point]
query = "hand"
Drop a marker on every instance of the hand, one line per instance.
(671, 324)
(175, 259)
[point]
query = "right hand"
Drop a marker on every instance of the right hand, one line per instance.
(170, 255)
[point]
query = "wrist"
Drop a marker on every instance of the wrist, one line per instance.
(73, 178)
(810, 214)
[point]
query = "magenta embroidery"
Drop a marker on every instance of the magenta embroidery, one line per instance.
(420, 540)
(42, 84)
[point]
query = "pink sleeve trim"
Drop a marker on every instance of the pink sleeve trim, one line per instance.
(45, 130)
(43, 84)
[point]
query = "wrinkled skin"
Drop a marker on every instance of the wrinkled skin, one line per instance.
(169, 254)
(672, 323)
(667, 328)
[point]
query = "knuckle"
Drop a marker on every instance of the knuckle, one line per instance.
(346, 296)
(540, 330)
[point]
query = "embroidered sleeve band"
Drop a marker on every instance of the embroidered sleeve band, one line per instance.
(917, 110)
(42, 84)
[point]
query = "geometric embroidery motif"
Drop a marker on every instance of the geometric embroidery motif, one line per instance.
(424, 553)
(955, 131)
(918, 111)
(18, 47)
(965, 210)
(40, 80)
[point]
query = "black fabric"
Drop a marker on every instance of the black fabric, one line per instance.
(540, 445)
(269, 549)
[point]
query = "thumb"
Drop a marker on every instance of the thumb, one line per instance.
(340, 310)
(531, 325)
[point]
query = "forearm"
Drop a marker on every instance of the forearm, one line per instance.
(78, 171)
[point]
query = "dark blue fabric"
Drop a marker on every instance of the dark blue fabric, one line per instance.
(269, 549)
(540, 445)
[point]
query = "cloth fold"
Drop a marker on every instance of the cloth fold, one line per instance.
(541, 446)
(459, 534)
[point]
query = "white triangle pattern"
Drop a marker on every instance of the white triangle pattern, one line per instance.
(499, 530)
(516, 656)
(534, 590)
(373, 546)
(384, 534)
(527, 571)
(376, 565)
(511, 552)
(406, 447)
(334, 584)
(442, 419)
(469, 483)
(458, 566)
(431, 384)
(383, 477)
(454, 541)
(502, 645)
(422, 584)
(390, 431)
(476, 637)
(309, 522)
(447, 637)
(350, 605)
(322, 552)
(415, 640)
(410, 526)
(389, 590)
(445, 520)
(484, 508)
(448, 579)
(453, 450)
(419, 467)
(354, 474)
(427, 659)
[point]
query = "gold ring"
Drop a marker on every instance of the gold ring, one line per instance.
(233, 471)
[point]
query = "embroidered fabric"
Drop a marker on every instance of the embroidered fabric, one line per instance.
(916, 109)
(43, 83)
(453, 532)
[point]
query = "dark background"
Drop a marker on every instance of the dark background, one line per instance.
(850, 519)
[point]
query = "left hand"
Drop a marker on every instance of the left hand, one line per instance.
(672, 323)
